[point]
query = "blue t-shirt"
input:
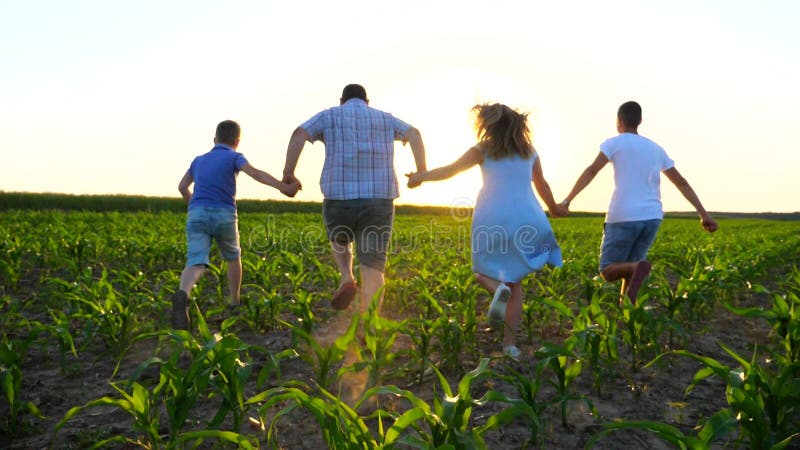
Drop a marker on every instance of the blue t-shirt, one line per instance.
(214, 175)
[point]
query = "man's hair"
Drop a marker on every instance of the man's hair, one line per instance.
(353, 91)
(228, 132)
(630, 114)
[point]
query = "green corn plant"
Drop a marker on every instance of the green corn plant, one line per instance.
(588, 339)
(106, 312)
(262, 307)
(784, 316)
(449, 423)
(449, 343)
(566, 366)
(713, 429)
(341, 426)
(420, 331)
(301, 307)
(764, 401)
(446, 329)
(527, 389)
(11, 252)
(12, 357)
(379, 337)
(673, 305)
(642, 329)
(272, 365)
(295, 271)
(142, 406)
(324, 359)
(59, 331)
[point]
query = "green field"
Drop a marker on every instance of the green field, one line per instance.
(711, 353)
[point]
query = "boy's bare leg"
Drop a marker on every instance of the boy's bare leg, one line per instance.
(235, 279)
(180, 300)
(641, 272)
(632, 275)
(189, 277)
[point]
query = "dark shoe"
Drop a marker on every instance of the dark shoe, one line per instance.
(345, 295)
(234, 310)
(180, 311)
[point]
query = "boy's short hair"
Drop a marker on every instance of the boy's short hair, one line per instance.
(228, 132)
(353, 91)
(630, 114)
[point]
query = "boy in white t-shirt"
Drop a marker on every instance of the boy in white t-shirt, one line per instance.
(634, 214)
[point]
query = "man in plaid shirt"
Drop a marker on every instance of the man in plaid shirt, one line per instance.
(359, 185)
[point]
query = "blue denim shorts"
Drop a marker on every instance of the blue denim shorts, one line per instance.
(627, 241)
(204, 224)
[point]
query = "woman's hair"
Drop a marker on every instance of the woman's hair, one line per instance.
(502, 131)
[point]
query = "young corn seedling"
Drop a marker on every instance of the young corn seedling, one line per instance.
(449, 423)
(12, 357)
(341, 426)
(324, 359)
(784, 317)
(379, 337)
(566, 366)
(763, 400)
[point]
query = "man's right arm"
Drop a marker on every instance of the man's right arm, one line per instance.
(293, 150)
(414, 138)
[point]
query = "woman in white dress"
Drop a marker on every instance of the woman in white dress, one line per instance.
(511, 235)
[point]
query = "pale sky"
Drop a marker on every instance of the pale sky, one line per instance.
(111, 97)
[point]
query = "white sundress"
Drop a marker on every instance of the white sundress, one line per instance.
(511, 235)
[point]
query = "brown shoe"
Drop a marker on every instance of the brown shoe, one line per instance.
(180, 310)
(345, 295)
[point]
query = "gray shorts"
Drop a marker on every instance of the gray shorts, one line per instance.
(204, 224)
(368, 222)
(627, 241)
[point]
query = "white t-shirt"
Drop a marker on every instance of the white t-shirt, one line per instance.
(638, 163)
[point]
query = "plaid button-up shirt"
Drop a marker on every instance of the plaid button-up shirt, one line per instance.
(359, 150)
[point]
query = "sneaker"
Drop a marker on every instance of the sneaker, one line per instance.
(512, 352)
(345, 295)
(497, 309)
(180, 310)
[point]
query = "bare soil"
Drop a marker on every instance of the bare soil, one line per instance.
(655, 393)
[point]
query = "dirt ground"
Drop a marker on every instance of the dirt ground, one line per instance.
(655, 393)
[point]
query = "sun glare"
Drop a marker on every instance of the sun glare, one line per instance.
(445, 120)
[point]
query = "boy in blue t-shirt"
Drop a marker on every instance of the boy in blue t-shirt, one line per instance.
(212, 214)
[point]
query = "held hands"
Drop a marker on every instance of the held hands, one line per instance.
(560, 210)
(291, 185)
(415, 179)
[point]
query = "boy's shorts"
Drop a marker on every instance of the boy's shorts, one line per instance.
(203, 224)
(627, 241)
(368, 222)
